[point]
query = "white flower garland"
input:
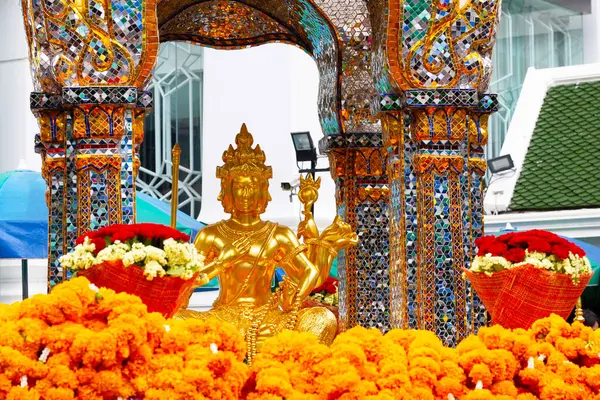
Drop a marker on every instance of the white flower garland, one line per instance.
(176, 259)
(574, 265)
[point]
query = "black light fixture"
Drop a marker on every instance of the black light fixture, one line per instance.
(305, 149)
(501, 164)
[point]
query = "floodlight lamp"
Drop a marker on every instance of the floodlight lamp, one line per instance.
(501, 164)
(303, 144)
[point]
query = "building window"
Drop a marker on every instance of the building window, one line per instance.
(176, 118)
(532, 33)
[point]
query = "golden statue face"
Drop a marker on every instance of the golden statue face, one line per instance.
(246, 193)
(244, 177)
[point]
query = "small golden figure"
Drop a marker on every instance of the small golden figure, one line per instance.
(244, 251)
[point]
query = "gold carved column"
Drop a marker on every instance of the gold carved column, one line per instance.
(431, 66)
(90, 61)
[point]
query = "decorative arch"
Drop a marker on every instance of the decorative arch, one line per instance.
(235, 24)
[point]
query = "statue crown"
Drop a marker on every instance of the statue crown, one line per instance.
(244, 160)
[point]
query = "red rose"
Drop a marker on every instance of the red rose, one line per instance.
(498, 249)
(157, 231)
(485, 241)
(485, 244)
(547, 236)
(109, 230)
(561, 252)
(506, 237)
(520, 240)
(123, 236)
(91, 235)
(99, 244)
(539, 245)
(515, 255)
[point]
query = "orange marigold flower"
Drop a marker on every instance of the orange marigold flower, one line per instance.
(23, 393)
(59, 394)
(481, 373)
(506, 388)
(479, 394)
(592, 377)
(557, 389)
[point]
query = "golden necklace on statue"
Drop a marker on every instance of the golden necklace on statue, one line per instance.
(243, 240)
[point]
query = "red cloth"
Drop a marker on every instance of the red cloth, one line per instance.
(164, 295)
(516, 298)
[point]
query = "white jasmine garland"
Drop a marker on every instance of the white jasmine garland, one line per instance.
(176, 259)
(153, 269)
(573, 265)
(24, 381)
(114, 252)
(213, 348)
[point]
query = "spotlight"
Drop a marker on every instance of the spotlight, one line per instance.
(305, 149)
(500, 164)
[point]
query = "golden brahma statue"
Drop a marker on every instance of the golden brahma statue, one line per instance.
(243, 252)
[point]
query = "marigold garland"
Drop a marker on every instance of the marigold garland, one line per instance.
(80, 342)
(552, 360)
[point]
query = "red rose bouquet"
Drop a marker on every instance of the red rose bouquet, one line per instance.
(524, 276)
(151, 261)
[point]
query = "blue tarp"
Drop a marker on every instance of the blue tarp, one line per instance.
(24, 215)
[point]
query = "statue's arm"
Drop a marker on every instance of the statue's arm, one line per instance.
(204, 243)
(298, 266)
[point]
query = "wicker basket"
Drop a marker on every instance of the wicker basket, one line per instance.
(518, 297)
(164, 295)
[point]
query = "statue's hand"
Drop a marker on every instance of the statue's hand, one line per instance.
(202, 279)
(307, 229)
(288, 294)
(301, 229)
(229, 255)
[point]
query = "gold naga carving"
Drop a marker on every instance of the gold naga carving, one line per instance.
(437, 44)
(90, 42)
(243, 252)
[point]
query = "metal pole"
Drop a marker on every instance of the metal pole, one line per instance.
(313, 172)
(175, 157)
(25, 278)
